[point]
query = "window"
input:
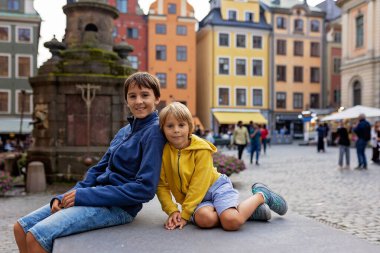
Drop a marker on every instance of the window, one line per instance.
(297, 100)
(249, 17)
(314, 75)
(172, 8)
(257, 42)
(181, 53)
(134, 61)
(24, 35)
(314, 26)
(232, 15)
(162, 78)
(224, 39)
(224, 66)
(122, 5)
(5, 103)
(240, 67)
(181, 30)
(181, 81)
(114, 32)
(257, 67)
(132, 33)
(257, 97)
(298, 74)
(314, 49)
(337, 96)
(13, 5)
(336, 69)
(298, 48)
(281, 23)
(5, 34)
(224, 96)
(24, 66)
(281, 100)
(160, 29)
(24, 102)
(241, 97)
(281, 47)
(337, 37)
(5, 63)
(357, 90)
(161, 53)
(314, 100)
(298, 25)
(240, 40)
(359, 31)
(281, 73)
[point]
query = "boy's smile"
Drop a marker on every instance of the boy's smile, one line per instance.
(141, 101)
(176, 132)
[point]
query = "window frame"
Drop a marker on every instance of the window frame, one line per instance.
(177, 79)
(137, 61)
(180, 33)
(318, 101)
(120, 6)
(252, 16)
(228, 95)
(245, 40)
(9, 101)
(296, 50)
(246, 66)
(9, 65)
(17, 34)
(281, 41)
(283, 24)
(295, 106)
(262, 66)
(296, 29)
(9, 33)
(253, 41)
(179, 53)
(277, 74)
(228, 14)
(245, 95)
(165, 55)
(133, 29)
(229, 65)
(334, 65)
(17, 74)
(253, 96)
(162, 26)
(312, 75)
(359, 34)
(313, 52)
(229, 39)
(312, 23)
(280, 93)
(17, 92)
(170, 11)
(162, 85)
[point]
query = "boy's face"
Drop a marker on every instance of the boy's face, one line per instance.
(176, 132)
(141, 101)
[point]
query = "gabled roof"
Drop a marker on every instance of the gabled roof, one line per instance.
(332, 11)
(288, 4)
(214, 18)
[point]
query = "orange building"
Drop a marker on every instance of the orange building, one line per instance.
(172, 50)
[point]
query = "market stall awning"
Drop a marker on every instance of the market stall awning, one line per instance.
(354, 112)
(234, 117)
(12, 125)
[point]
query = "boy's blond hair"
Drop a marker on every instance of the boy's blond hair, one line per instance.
(180, 112)
(142, 79)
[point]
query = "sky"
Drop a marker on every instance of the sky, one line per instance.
(54, 20)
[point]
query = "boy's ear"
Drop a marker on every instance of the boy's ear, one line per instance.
(157, 101)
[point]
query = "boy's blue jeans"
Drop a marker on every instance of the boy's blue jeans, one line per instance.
(46, 226)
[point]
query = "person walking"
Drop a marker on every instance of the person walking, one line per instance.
(255, 135)
(321, 132)
(240, 138)
(363, 132)
(375, 137)
(264, 137)
(344, 145)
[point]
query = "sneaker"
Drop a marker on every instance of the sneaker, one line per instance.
(262, 213)
(275, 202)
(257, 163)
(358, 168)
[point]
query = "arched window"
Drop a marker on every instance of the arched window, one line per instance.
(91, 28)
(357, 93)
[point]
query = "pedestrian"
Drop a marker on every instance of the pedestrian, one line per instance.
(343, 141)
(264, 137)
(375, 137)
(207, 197)
(363, 132)
(209, 136)
(240, 138)
(326, 139)
(114, 189)
(198, 130)
(321, 133)
(255, 135)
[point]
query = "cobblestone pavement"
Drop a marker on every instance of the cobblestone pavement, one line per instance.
(313, 186)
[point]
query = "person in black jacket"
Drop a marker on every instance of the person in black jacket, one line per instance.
(363, 131)
(344, 145)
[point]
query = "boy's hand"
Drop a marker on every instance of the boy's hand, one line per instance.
(56, 206)
(173, 220)
(68, 199)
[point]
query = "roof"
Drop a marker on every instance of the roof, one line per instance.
(332, 11)
(214, 18)
(17, 16)
(288, 4)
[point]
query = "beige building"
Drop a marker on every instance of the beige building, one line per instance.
(360, 68)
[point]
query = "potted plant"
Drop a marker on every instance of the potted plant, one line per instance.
(228, 164)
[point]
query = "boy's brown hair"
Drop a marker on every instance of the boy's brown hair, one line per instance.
(142, 79)
(180, 112)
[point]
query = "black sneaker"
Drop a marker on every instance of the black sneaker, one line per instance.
(262, 213)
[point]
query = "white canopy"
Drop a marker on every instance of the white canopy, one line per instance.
(354, 112)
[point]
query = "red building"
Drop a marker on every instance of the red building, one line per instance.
(131, 26)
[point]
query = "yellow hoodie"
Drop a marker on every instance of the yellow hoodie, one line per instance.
(187, 174)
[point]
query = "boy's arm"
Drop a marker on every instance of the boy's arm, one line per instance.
(164, 195)
(200, 183)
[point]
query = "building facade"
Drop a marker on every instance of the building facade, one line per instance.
(131, 27)
(360, 68)
(233, 72)
(297, 48)
(19, 36)
(172, 51)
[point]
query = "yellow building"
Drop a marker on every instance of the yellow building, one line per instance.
(233, 64)
(297, 77)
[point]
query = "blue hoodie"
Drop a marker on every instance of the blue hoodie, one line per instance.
(128, 173)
